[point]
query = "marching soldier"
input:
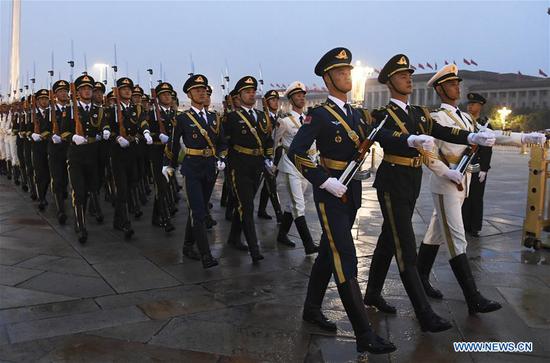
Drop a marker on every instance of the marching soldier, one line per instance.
(57, 148)
(4, 167)
(250, 152)
(17, 129)
(27, 127)
(205, 152)
(10, 141)
(269, 189)
(41, 127)
(209, 221)
(448, 195)
(397, 183)
(142, 151)
(472, 208)
(337, 129)
(127, 124)
(82, 131)
(103, 168)
(296, 184)
(161, 127)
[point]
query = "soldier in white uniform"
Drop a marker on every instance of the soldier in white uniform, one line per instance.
(446, 225)
(293, 180)
(4, 169)
(10, 147)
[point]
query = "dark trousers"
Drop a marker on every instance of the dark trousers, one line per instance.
(269, 192)
(40, 165)
(104, 147)
(156, 156)
(337, 254)
(472, 208)
(27, 146)
(82, 161)
(245, 180)
(125, 175)
(57, 158)
(20, 143)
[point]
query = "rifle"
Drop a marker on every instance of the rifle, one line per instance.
(156, 107)
(468, 157)
(78, 129)
(35, 122)
(119, 118)
(355, 164)
(53, 115)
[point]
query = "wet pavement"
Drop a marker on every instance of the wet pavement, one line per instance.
(113, 300)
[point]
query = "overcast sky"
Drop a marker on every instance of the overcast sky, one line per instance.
(286, 38)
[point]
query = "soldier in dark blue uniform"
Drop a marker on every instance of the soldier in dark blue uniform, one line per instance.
(83, 151)
(123, 153)
(338, 129)
(161, 129)
(269, 189)
(142, 189)
(26, 131)
(103, 168)
(398, 182)
(205, 152)
(19, 130)
(250, 153)
(41, 132)
(57, 150)
(472, 208)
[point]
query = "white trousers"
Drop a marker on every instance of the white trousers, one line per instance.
(2, 147)
(446, 225)
(10, 142)
(296, 186)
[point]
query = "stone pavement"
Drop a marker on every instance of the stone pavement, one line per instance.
(111, 300)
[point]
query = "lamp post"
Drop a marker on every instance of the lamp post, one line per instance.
(102, 71)
(503, 113)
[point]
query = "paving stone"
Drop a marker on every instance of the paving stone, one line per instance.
(76, 323)
(69, 285)
(530, 305)
(12, 276)
(11, 297)
(75, 266)
(44, 311)
(12, 257)
(140, 332)
(138, 275)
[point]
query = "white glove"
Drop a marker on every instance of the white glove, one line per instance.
(164, 138)
(454, 175)
(426, 142)
(8, 132)
(482, 138)
(148, 138)
(56, 139)
(167, 171)
(220, 165)
(482, 176)
(269, 166)
(106, 134)
(123, 142)
(98, 137)
(79, 140)
(334, 187)
(36, 137)
(533, 138)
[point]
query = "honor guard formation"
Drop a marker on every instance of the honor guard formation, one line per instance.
(94, 150)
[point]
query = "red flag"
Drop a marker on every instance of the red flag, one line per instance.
(421, 66)
(473, 62)
(542, 73)
(446, 62)
(429, 65)
(466, 61)
(413, 67)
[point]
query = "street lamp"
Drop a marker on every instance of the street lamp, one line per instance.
(359, 75)
(503, 113)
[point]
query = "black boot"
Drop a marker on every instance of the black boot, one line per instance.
(249, 232)
(424, 263)
(429, 320)
(42, 203)
(136, 203)
(60, 204)
(189, 242)
(80, 223)
(9, 170)
(263, 214)
(142, 194)
(201, 239)
(94, 201)
(378, 271)
(476, 302)
(32, 187)
(305, 235)
(156, 219)
(16, 174)
(209, 221)
(316, 288)
(122, 220)
(234, 239)
(367, 340)
(165, 216)
(282, 236)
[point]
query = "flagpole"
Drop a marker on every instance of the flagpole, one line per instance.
(15, 32)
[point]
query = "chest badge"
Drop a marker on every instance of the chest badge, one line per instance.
(195, 136)
(243, 131)
(338, 139)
